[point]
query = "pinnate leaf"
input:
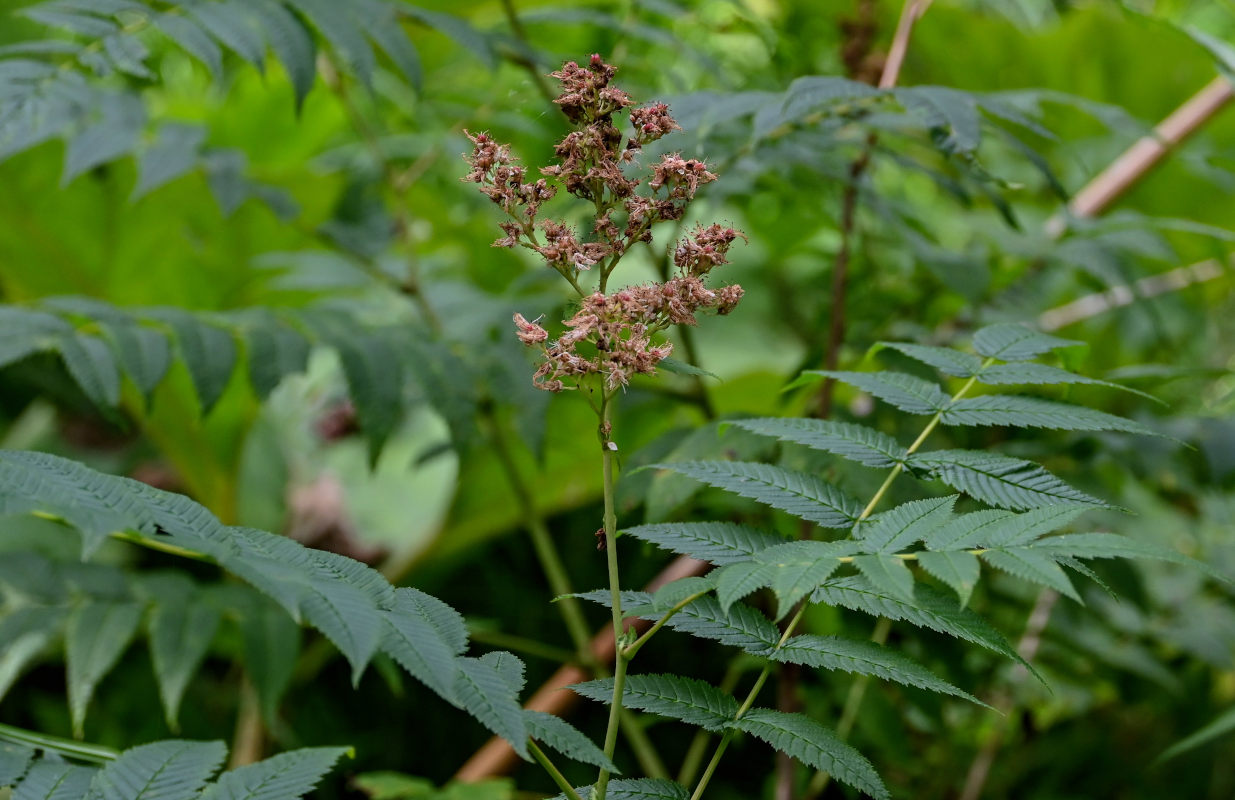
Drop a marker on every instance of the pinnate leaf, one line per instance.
(719, 543)
(1001, 481)
(692, 701)
(854, 442)
(1012, 342)
(906, 392)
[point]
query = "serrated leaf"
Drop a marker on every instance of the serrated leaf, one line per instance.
(292, 43)
(337, 26)
(742, 626)
(509, 667)
(84, 24)
(181, 628)
(24, 634)
(960, 570)
(274, 351)
(207, 351)
(1040, 374)
(854, 442)
(144, 352)
(168, 770)
(115, 133)
(425, 635)
(804, 496)
(485, 694)
(1036, 567)
(887, 572)
(286, 776)
(385, 29)
(896, 529)
(26, 332)
(906, 392)
(815, 746)
(229, 23)
(14, 761)
(91, 364)
(1001, 481)
(929, 609)
(173, 154)
(949, 110)
(794, 569)
(863, 658)
(128, 54)
(96, 634)
(460, 30)
(189, 35)
(1014, 411)
(719, 543)
(944, 359)
(1220, 726)
(340, 597)
(271, 646)
(50, 780)
(1111, 545)
(636, 789)
(692, 701)
(1012, 342)
(674, 592)
(670, 364)
(566, 739)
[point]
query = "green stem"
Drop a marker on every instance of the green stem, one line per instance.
(553, 771)
(634, 648)
(615, 591)
(793, 623)
(66, 747)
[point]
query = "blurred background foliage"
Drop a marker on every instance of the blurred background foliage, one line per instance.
(349, 202)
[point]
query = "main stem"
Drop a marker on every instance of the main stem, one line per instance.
(615, 591)
(793, 623)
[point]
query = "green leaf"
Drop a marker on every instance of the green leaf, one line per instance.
(51, 780)
(863, 658)
(792, 569)
(636, 789)
(906, 392)
(801, 495)
(894, 530)
(692, 701)
(565, 738)
(25, 633)
(286, 776)
(854, 442)
(190, 36)
(168, 770)
(208, 352)
(1001, 481)
(1035, 567)
(1111, 545)
(128, 55)
(944, 359)
(340, 597)
(144, 352)
(949, 110)
(74, 23)
(959, 570)
(181, 628)
(741, 626)
(271, 646)
(292, 43)
(91, 364)
(230, 23)
(337, 26)
(1041, 374)
(385, 28)
(115, 133)
(888, 573)
(486, 695)
(509, 667)
(374, 378)
(465, 35)
(1031, 412)
(1220, 726)
(929, 609)
(815, 746)
(1012, 342)
(174, 153)
(26, 332)
(14, 761)
(716, 542)
(670, 364)
(96, 635)
(274, 351)
(425, 635)
(674, 592)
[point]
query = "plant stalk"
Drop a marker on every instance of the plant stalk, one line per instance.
(615, 591)
(554, 772)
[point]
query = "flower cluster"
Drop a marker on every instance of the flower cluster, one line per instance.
(615, 335)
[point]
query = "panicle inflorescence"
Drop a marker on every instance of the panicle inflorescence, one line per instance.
(613, 336)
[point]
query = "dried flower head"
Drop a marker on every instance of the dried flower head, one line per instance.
(618, 335)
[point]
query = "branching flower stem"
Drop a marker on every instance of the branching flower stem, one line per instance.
(793, 623)
(615, 589)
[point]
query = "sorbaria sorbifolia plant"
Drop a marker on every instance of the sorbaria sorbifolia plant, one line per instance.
(616, 334)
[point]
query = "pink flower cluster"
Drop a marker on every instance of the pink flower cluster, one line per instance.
(614, 335)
